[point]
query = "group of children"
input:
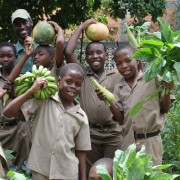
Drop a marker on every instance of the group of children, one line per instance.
(68, 136)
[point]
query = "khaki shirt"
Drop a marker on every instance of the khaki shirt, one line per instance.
(2, 118)
(149, 118)
(96, 110)
(57, 133)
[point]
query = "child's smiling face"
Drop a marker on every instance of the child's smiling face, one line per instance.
(127, 66)
(96, 56)
(70, 84)
(7, 57)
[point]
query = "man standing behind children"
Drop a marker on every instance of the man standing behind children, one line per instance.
(22, 24)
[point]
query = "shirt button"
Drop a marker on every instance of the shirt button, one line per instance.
(53, 152)
(57, 139)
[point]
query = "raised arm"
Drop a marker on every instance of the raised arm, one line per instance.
(29, 48)
(59, 44)
(13, 109)
(71, 44)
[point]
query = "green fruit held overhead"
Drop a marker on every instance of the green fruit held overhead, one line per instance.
(44, 33)
(97, 32)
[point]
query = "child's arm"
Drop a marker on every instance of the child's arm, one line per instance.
(13, 109)
(59, 44)
(29, 47)
(81, 155)
(71, 44)
(166, 101)
(117, 115)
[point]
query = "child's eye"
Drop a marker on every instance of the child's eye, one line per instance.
(78, 84)
(128, 60)
(68, 81)
(99, 52)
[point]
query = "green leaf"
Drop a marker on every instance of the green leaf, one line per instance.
(167, 76)
(153, 68)
(134, 110)
(151, 44)
(9, 154)
(165, 30)
(154, 94)
(145, 54)
(102, 171)
(161, 167)
(177, 68)
(10, 173)
(146, 25)
(177, 45)
(16, 176)
(159, 175)
(174, 54)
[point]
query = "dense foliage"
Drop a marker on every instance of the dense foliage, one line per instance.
(73, 12)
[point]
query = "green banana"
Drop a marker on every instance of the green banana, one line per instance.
(40, 70)
(47, 73)
(25, 81)
(18, 88)
(5, 97)
(27, 75)
(44, 71)
(52, 85)
(50, 78)
(22, 90)
(42, 95)
(37, 94)
(45, 93)
(34, 70)
(49, 93)
(17, 80)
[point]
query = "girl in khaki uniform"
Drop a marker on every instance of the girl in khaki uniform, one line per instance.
(145, 126)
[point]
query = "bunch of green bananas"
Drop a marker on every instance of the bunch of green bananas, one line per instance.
(25, 81)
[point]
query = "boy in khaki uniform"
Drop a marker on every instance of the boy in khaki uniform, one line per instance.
(145, 126)
(13, 133)
(60, 129)
(3, 162)
(105, 132)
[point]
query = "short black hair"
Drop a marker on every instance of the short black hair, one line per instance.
(125, 47)
(49, 48)
(96, 42)
(9, 44)
(132, 50)
(71, 66)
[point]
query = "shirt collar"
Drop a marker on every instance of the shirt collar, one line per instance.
(19, 46)
(76, 109)
(140, 75)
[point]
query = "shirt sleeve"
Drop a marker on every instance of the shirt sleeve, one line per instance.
(118, 102)
(29, 108)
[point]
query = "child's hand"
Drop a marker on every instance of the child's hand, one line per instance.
(100, 95)
(38, 83)
(29, 45)
(86, 23)
(10, 88)
(169, 85)
(56, 26)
